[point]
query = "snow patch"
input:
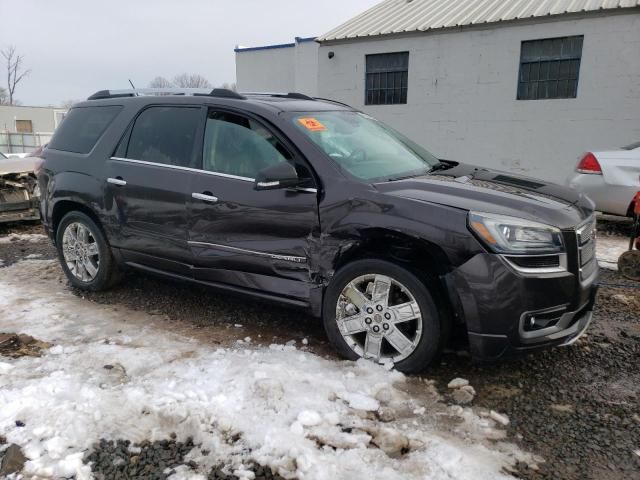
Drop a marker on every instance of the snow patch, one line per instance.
(609, 249)
(117, 375)
(23, 237)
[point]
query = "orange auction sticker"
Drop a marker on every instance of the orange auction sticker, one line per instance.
(312, 124)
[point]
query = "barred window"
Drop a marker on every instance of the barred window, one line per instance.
(550, 68)
(387, 78)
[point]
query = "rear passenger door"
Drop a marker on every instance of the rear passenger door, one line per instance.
(147, 186)
(257, 240)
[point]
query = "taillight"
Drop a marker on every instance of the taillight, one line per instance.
(589, 164)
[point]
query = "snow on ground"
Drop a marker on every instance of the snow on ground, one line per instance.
(609, 249)
(298, 413)
(23, 237)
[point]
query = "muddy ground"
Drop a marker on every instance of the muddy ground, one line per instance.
(578, 407)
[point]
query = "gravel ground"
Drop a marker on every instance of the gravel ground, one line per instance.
(156, 461)
(578, 407)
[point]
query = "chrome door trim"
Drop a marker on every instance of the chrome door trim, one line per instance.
(188, 169)
(273, 256)
(116, 181)
(204, 198)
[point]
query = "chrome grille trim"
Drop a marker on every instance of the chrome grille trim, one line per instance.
(586, 240)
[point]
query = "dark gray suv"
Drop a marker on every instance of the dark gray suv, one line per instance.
(311, 203)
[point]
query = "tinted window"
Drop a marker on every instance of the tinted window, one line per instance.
(165, 135)
(240, 146)
(82, 127)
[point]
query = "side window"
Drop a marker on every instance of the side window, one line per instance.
(82, 127)
(164, 135)
(237, 145)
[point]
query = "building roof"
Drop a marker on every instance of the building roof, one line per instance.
(402, 16)
(271, 47)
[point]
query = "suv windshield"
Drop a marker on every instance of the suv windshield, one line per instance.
(364, 147)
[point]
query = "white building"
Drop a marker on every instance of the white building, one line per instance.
(288, 67)
(519, 85)
(23, 128)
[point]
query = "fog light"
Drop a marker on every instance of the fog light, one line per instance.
(538, 320)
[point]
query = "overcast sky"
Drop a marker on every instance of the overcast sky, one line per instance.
(75, 47)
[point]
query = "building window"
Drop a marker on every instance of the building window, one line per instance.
(24, 126)
(387, 78)
(550, 68)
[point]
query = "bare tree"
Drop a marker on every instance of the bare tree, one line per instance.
(160, 82)
(4, 97)
(191, 81)
(15, 70)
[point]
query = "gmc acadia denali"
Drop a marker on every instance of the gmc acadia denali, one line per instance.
(311, 203)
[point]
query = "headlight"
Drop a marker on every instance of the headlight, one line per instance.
(516, 236)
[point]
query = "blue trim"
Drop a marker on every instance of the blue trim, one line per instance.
(305, 39)
(266, 47)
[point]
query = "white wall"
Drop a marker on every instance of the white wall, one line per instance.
(462, 93)
(280, 69)
(266, 70)
(43, 119)
(306, 68)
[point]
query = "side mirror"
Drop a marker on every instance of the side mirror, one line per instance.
(273, 177)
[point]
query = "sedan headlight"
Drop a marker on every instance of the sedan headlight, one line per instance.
(515, 236)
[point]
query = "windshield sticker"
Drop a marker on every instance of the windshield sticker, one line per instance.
(312, 124)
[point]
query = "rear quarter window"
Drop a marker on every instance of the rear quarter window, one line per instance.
(82, 127)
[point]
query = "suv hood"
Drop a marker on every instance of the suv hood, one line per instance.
(479, 189)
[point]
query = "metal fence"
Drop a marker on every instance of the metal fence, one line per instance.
(11, 142)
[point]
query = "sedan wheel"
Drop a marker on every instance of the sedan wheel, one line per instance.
(81, 252)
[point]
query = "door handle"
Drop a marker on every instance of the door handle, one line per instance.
(117, 181)
(205, 197)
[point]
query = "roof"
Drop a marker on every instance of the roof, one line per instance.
(402, 16)
(239, 49)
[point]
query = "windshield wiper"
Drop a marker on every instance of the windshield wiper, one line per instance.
(404, 177)
(439, 166)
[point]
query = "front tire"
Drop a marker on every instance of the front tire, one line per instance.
(381, 311)
(84, 253)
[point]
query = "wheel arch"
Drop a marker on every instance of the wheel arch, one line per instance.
(62, 207)
(425, 259)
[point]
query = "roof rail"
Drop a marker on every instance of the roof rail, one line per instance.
(294, 95)
(216, 92)
(332, 101)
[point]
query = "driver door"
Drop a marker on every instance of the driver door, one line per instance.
(240, 236)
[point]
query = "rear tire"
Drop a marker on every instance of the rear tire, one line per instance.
(400, 322)
(84, 253)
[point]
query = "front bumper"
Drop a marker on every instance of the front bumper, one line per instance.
(19, 216)
(508, 313)
(18, 205)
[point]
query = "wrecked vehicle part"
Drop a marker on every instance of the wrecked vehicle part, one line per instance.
(19, 196)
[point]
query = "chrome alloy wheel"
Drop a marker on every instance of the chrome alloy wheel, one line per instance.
(379, 318)
(81, 252)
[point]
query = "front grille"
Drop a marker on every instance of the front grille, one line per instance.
(586, 237)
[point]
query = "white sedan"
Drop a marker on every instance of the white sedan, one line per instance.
(610, 178)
